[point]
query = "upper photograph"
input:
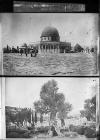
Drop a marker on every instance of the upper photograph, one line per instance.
(48, 6)
(0, 50)
(50, 44)
(55, 6)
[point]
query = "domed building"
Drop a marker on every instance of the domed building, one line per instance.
(50, 34)
(50, 41)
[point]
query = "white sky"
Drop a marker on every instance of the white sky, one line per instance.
(22, 92)
(75, 28)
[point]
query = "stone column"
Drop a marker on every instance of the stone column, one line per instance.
(44, 48)
(54, 48)
(58, 49)
(41, 48)
(49, 48)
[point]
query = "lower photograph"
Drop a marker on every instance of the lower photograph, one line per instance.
(53, 108)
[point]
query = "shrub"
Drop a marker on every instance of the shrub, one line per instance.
(90, 133)
(72, 128)
(67, 134)
(18, 133)
(13, 135)
(64, 130)
(43, 129)
(21, 131)
(26, 135)
(98, 134)
(80, 130)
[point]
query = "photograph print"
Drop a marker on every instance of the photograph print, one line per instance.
(56, 6)
(98, 114)
(50, 44)
(2, 109)
(51, 108)
(1, 66)
(47, 6)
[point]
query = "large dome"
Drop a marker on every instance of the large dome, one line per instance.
(50, 31)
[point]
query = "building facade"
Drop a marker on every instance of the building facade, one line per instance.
(50, 42)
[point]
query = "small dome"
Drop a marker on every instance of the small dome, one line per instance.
(50, 32)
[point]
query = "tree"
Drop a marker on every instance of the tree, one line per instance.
(40, 107)
(50, 97)
(41, 118)
(35, 119)
(89, 109)
(63, 111)
(51, 101)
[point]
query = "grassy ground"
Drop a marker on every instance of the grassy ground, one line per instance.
(70, 64)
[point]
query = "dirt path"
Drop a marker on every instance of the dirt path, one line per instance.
(50, 64)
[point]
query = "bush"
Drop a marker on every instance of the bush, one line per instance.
(26, 135)
(64, 130)
(12, 135)
(98, 135)
(18, 133)
(73, 128)
(80, 130)
(43, 129)
(90, 133)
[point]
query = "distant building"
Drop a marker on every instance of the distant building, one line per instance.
(78, 48)
(50, 41)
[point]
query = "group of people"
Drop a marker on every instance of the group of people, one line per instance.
(33, 52)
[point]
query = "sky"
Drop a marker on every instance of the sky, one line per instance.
(22, 92)
(18, 28)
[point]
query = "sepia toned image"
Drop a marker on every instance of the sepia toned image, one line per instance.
(51, 108)
(50, 44)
